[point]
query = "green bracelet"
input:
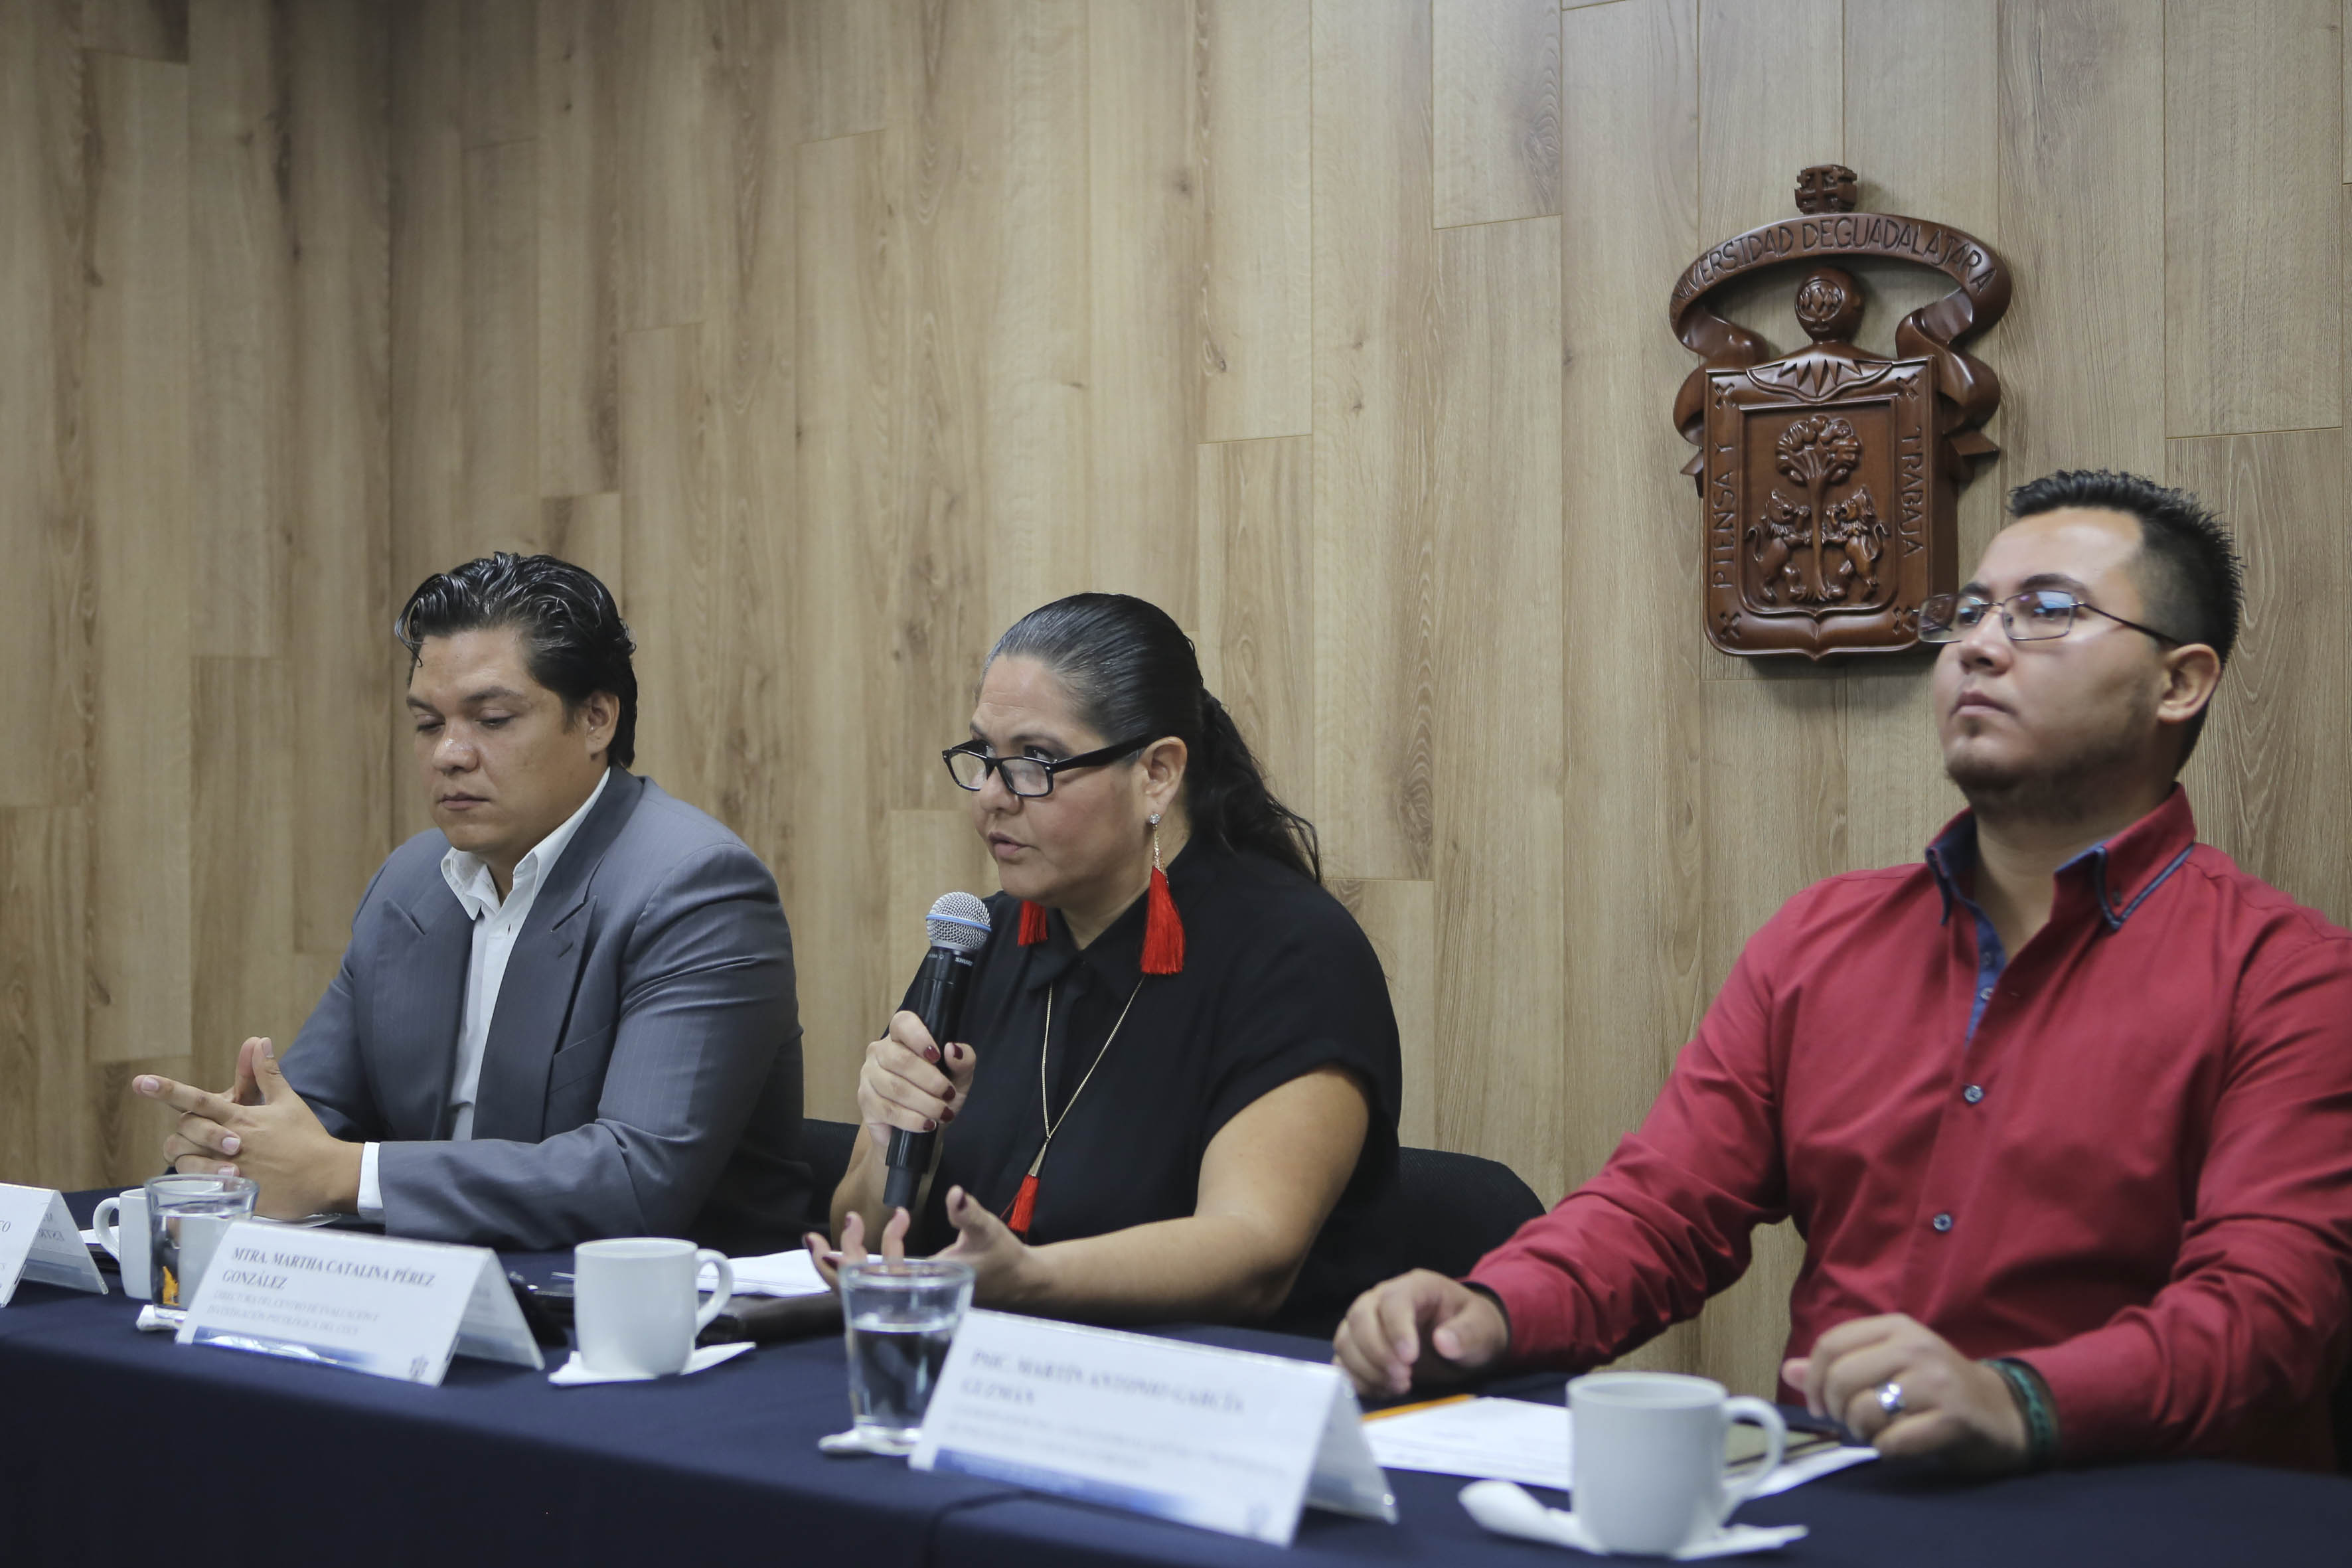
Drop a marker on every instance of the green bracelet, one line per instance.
(2032, 1396)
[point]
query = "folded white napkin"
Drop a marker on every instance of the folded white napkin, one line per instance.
(575, 1371)
(1506, 1509)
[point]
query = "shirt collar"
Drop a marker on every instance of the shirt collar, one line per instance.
(468, 875)
(2119, 873)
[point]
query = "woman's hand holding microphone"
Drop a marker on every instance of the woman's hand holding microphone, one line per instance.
(909, 1081)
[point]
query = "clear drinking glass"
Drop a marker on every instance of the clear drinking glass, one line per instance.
(900, 1319)
(186, 1218)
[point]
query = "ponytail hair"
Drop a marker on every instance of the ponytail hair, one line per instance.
(1130, 670)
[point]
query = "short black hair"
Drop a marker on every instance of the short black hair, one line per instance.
(2189, 571)
(572, 635)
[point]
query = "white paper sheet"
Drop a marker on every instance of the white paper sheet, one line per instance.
(791, 1273)
(1517, 1440)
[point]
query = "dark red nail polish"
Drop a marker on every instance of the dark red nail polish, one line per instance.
(947, 1115)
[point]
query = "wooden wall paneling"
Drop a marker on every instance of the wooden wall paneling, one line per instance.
(1143, 277)
(241, 498)
(343, 688)
(1496, 102)
(147, 29)
(46, 596)
(1633, 733)
(845, 57)
(45, 1130)
(1499, 855)
(587, 531)
(1032, 369)
(1770, 103)
(2273, 757)
(851, 365)
(2253, 152)
(925, 852)
(667, 66)
(427, 339)
(750, 338)
(1921, 87)
(1401, 918)
(1634, 738)
(669, 502)
(1255, 629)
(501, 61)
(135, 411)
(1375, 504)
(242, 870)
(1253, 58)
(498, 500)
(578, 356)
(2082, 220)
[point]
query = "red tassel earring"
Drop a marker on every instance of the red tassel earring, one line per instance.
(1033, 924)
(1163, 930)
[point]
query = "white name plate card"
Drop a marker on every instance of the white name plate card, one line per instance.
(1223, 1439)
(39, 1241)
(390, 1308)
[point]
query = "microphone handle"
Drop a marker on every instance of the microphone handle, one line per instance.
(938, 1003)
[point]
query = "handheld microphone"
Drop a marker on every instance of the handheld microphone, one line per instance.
(958, 927)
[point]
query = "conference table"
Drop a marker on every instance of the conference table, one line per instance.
(122, 1447)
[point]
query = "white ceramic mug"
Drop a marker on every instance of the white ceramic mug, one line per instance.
(120, 1223)
(633, 1303)
(1647, 1473)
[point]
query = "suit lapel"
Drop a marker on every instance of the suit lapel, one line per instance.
(418, 1015)
(543, 971)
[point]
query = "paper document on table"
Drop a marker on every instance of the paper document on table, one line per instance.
(790, 1273)
(1517, 1440)
(1492, 1439)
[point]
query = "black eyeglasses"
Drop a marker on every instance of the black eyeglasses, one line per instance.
(1029, 777)
(2036, 616)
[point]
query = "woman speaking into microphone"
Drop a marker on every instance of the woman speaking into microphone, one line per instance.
(1177, 1066)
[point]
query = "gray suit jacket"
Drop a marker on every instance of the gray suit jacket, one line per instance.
(642, 1074)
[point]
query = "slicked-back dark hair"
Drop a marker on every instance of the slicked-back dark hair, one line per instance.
(574, 638)
(2189, 574)
(1131, 670)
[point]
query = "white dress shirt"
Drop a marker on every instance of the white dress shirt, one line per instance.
(496, 922)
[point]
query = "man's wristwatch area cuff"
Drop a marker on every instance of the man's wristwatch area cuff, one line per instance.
(2033, 1402)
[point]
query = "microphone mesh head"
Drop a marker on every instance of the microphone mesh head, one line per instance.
(957, 920)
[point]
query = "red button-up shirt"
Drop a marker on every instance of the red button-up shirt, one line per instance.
(2123, 1155)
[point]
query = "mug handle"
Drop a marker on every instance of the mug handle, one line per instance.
(105, 1223)
(718, 1302)
(1775, 1441)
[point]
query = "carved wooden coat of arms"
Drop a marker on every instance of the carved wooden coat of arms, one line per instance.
(1829, 477)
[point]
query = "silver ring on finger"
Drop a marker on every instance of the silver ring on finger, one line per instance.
(1890, 1398)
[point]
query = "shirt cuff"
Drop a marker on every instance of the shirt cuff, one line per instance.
(1534, 1296)
(2099, 1413)
(371, 1186)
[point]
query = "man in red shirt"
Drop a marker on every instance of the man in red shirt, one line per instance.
(2064, 1113)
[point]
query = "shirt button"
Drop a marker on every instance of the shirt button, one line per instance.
(1985, 994)
(1942, 1222)
(1973, 1093)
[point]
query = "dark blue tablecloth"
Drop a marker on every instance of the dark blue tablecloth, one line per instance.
(117, 1446)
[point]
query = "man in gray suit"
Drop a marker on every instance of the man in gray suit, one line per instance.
(568, 1011)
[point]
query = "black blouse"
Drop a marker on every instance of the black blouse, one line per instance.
(1278, 980)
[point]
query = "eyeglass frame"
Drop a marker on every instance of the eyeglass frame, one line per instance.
(1100, 758)
(2008, 626)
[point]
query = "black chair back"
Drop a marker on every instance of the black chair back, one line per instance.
(1446, 1211)
(827, 1146)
